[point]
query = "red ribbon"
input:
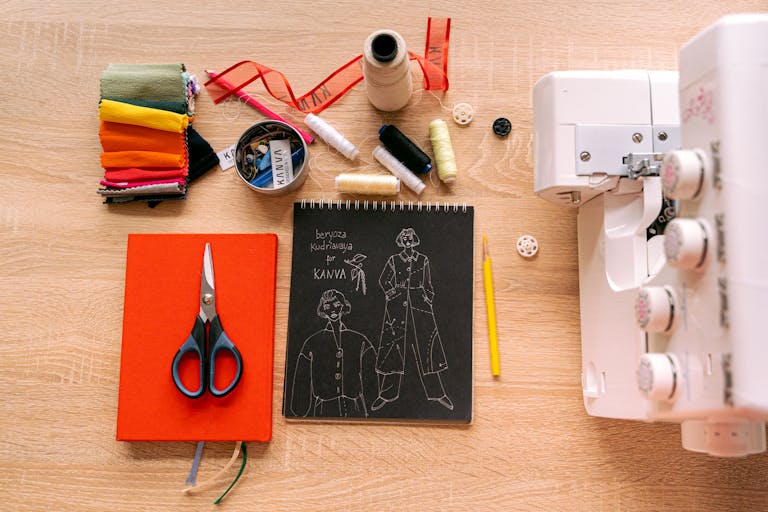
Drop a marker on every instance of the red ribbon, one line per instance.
(434, 66)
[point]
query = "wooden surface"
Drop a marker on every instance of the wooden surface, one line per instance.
(62, 263)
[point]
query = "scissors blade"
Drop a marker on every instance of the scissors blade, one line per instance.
(207, 287)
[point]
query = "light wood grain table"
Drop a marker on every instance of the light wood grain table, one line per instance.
(62, 262)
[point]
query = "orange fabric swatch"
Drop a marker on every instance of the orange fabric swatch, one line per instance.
(162, 298)
(142, 159)
(128, 137)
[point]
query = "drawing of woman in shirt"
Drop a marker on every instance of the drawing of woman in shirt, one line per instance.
(335, 366)
(409, 328)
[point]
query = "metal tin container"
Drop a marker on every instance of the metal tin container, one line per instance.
(268, 143)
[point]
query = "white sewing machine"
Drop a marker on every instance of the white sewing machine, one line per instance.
(673, 243)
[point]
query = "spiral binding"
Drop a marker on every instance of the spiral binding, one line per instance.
(383, 206)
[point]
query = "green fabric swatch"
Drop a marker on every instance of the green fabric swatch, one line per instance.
(165, 82)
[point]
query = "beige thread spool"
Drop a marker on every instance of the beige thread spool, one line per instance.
(368, 184)
(441, 147)
(387, 71)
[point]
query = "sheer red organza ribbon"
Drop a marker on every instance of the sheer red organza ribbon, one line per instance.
(434, 66)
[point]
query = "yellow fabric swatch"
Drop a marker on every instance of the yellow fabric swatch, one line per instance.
(117, 112)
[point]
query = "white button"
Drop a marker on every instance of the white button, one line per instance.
(682, 174)
(655, 308)
(527, 246)
(463, 113)
(657, 376)
(685, 244)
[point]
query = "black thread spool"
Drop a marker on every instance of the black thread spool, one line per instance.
(404, 150)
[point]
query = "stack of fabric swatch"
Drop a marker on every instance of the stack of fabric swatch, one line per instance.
(150, 149)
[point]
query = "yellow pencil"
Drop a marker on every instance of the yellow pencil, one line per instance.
(491, 308)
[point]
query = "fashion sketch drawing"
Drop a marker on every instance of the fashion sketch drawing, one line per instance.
(409, 329)
(335, 366)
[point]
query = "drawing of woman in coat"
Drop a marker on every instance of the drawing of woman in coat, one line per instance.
(409, 328)
(335, 367)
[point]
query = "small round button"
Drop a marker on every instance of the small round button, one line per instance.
(463, 113)
(655, 308)
(527, 246)
(682, 174)
(502, 127)
(685, 244)
(657, 376)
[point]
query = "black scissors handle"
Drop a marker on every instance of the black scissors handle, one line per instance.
(207, 358)
(195, 343)
(220, 341)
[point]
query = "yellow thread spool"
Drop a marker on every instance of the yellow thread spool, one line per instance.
(441, 147)
(368, 184)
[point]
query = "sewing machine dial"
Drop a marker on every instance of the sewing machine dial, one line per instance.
(682, 173)
(657, 376)
(655, 308)
(686, 243)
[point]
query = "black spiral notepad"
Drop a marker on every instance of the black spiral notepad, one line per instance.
(380, 315)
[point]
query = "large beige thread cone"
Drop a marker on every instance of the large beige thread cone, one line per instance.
(387, 71)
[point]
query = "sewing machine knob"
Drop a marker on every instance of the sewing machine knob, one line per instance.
(655, 308)
(682, 174)
(685, 244)
(657, 376)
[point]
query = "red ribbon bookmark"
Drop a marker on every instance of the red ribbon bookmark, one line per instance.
(434, 66)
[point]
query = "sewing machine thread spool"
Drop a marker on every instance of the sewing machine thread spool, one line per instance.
(398, 169)
(404, 149)
(445, 160)
(386, 70)
(331, 136)
(368, 184)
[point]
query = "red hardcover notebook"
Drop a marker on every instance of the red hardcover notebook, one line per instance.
(162, 291)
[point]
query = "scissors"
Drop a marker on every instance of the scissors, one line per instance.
(207, 346)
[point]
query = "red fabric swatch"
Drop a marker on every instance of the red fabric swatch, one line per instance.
(162, 291)
(138, 175)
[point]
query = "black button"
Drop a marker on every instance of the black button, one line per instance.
(502, 127)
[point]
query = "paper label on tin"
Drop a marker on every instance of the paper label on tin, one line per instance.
(282, 166)
(226, 157)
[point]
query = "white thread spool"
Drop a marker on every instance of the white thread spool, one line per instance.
(331, 136)
(387, 70)
(445, 160)
(368, 184)
(394, 166)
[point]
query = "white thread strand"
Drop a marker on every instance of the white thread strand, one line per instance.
(445, 160)
(368, 184)
(331, 136)
(442, 105)
(398, 169)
